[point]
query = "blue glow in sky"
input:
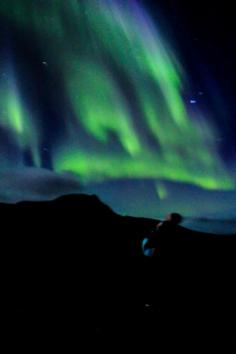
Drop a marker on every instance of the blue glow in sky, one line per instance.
(96, 92)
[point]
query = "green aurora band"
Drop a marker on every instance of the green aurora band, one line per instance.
(16, 118)
(125, 113)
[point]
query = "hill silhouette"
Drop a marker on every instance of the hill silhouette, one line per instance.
(55, 253)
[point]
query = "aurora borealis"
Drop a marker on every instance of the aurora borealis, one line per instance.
(94, 90)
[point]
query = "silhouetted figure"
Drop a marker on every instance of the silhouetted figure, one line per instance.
(158, 248)
(164, 233)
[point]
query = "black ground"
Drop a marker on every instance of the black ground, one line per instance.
(73, 263)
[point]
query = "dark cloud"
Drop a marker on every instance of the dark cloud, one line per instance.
(35, 184)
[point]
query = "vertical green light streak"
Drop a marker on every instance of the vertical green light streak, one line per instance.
(15, 117)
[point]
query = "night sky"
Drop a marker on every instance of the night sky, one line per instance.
(130, 100)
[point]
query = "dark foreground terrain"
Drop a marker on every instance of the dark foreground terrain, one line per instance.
(72, 264)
